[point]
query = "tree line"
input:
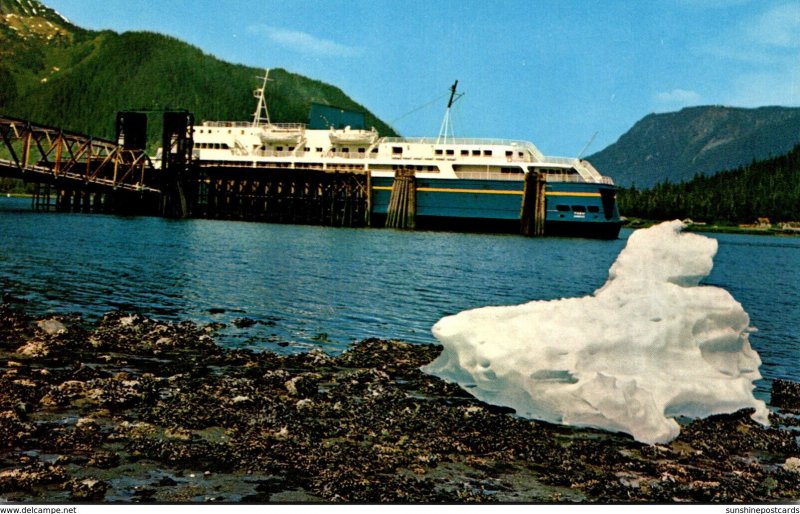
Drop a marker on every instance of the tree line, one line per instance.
(769, 188)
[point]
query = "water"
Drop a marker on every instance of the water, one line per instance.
(326, 287)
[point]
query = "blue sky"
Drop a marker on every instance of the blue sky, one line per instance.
(548, 71)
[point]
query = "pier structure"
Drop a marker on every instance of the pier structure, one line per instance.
(298, 196)
(73, 172)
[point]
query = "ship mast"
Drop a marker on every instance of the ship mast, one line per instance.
(446, 127)
(261, 116)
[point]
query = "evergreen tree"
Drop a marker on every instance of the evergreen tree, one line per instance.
(768, 188)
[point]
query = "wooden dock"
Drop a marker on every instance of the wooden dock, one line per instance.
(298, 196)
(77, 173)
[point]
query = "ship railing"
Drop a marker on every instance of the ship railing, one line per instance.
(241, 124)
(588, 165)
(281, 153)
(548, 177)
(350, 155)
(517, 158)
(230, 124)
(288, 127)
(572, 177)
(460, 141)
(584, 168)
(490, 175)
(562, 161)
(328, 155)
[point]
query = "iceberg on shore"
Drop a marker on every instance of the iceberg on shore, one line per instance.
(648, 346)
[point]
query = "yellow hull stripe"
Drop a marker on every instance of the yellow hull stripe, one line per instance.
(483, 191)
(573, 194)
(476, 191)
(452, 190)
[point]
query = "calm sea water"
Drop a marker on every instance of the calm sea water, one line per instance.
(327, 287)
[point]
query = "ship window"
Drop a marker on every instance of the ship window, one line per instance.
(578, 208)
(279, 148)
(450, 152)
(594, 208)
(374, 150)
(509, 153)
(306, 149)
(291, 149)
(562, 208)
(345, 150)
(464, 152)
(319, 149)
(487, 153)
(397, 150)
(438, 151)
(476, 152)
(362, 150)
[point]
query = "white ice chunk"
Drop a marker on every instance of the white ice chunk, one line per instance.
(648, 346)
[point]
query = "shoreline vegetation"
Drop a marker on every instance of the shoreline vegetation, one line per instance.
(759, 229)
(133, 409)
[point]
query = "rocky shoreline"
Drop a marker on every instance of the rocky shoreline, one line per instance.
(131, 409)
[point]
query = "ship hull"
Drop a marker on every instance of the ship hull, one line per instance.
(572, 208)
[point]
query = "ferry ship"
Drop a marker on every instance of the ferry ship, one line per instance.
(463, 183)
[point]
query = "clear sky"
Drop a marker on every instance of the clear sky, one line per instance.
(554, 72)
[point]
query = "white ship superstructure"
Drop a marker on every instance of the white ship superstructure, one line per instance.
(457, 177)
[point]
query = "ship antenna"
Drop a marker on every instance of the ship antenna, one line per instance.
(261, 116)
(446, 127)
(586, 146)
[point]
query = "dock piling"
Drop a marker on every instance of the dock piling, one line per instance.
(402, 210)
(305, 196)
(533, 205)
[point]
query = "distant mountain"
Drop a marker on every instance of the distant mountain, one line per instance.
(56, 73)
(763, 189)
(676, 146)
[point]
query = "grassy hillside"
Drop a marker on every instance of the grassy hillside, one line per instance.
(55, 73)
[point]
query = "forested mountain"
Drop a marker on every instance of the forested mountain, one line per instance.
(55, 73)
(677, 146)
(769, 188)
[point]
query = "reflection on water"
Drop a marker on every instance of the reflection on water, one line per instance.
(327, 287)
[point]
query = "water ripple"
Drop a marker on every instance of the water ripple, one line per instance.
(327, 287)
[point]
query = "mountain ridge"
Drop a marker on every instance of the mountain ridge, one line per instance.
(701, 140)
(56, 73)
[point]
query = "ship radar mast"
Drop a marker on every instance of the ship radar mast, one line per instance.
(261, 116)
(446, 129)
